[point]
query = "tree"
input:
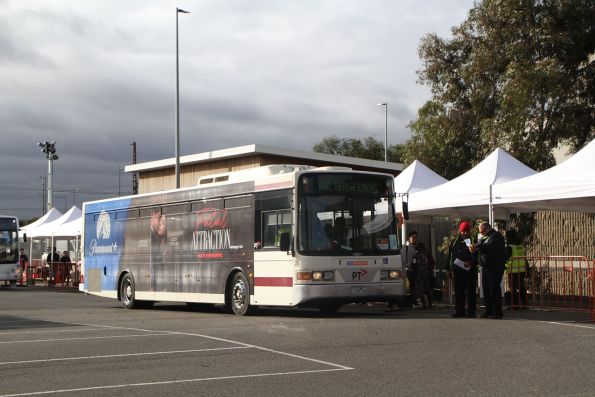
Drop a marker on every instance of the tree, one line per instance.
(515, 74)
(370, 148)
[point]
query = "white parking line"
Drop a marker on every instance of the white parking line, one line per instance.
(169, 382)
(241, 345)
(53, 331)
(121, 355)
(569, 324)
(83, 338)
(266, 350)
(223, 340)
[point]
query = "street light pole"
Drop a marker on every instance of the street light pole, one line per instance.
(178, 10)
(119, 181)
(43, 207)
(49, 148)
(385, 104)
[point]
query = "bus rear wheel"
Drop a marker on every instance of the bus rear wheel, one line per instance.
(238, 300)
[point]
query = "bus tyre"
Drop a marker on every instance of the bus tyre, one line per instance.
(238, 300)
(127, 292)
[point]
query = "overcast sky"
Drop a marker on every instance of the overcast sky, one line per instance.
(97, 75)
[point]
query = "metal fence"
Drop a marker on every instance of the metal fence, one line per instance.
(553, 282)
(62, 274)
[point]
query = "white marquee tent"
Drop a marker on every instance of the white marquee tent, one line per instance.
(417, 177)
(469, 194)
(50, 216)
(50, 229)
(568, 186)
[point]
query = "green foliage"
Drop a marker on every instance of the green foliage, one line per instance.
(23, 222)
(370, 148)
(515, 74)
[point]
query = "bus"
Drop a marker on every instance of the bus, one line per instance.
(279, 235)
(9, 249)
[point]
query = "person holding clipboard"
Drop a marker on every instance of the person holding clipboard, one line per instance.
(462, 269)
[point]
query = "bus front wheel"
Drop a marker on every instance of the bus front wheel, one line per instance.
(238, 300)
(127, 292)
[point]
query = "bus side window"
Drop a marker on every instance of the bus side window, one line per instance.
(274, 224)
(272, 217)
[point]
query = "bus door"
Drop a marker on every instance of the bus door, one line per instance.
(273, 268)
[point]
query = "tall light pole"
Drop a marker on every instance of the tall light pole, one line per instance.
(178, 10)
(385, 104)
(49, 148)
(43, 207)
(74, 195)
(119, 181)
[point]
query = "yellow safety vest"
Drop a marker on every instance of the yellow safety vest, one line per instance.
(516, 264)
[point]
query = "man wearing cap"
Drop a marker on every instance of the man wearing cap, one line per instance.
(491, 254)
(462, 269)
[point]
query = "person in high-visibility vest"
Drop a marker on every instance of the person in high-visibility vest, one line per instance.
(516, 269)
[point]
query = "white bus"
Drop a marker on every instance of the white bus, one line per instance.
(10, 270)
(281, 235)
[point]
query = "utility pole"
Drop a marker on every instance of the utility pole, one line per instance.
(43, 207)
(49, 148)
(177, 168)
(134, 174)
(120, 168)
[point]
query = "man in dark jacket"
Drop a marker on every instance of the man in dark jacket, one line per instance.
(462, 269)
(491, 254)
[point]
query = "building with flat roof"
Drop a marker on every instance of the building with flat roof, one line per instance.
(159, 175)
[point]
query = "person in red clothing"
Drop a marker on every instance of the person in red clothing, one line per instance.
(462, 269)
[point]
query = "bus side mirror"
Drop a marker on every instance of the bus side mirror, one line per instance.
(25, 237)
(284, 242)
(405, 210)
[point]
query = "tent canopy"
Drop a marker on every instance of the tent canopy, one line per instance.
(469, 194)
(49, 229)
(69, 229)
(568, 186)
(50, 216)
(417, 177)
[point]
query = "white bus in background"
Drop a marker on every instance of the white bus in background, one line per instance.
(281, 235)
(10, 270)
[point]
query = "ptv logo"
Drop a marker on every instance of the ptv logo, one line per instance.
(358, 275)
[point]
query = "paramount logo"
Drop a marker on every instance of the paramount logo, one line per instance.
(103, 229)
(102, 249)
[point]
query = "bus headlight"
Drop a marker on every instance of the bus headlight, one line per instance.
(390, 275)
(328, 275)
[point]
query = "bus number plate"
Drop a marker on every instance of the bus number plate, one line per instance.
(359, 291)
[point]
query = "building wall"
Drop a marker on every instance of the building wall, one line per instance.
(563, 233)
(164, 179)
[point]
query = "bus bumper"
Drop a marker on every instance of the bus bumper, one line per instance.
(307, 295)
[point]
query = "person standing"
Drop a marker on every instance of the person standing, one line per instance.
(409, 255)
(462, 269)
(422, 267)
(24, 264)
(516, 269)
(65, 264)
(491, 254)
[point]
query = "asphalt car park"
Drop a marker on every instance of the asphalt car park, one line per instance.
(74, 344)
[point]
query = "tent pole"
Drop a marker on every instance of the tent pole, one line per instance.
(491, 209)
